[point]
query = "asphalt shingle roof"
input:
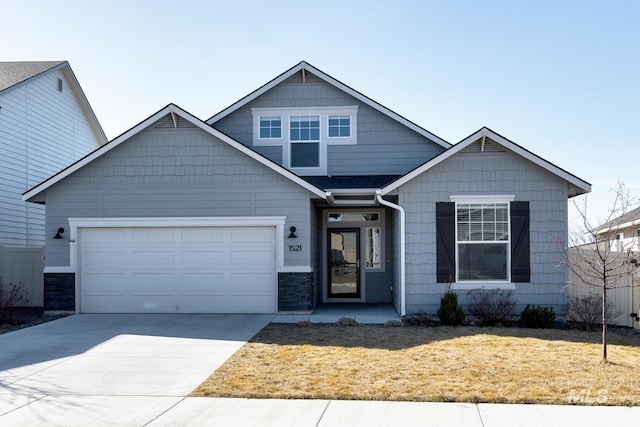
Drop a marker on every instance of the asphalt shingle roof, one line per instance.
(12, 73)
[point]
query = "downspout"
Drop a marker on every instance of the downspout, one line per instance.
(400, 209)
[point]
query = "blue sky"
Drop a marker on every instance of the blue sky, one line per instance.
(560, 78)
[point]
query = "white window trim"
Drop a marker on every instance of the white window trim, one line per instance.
(324, 142)
(464, 285)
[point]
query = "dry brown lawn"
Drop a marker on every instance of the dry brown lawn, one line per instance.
(465, 364)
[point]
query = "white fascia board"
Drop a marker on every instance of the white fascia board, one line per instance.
(171, 108)
(583, 185)
(336, 83)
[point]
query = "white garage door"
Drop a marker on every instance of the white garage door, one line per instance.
(177, 270)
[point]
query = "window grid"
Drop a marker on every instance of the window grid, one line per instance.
(270, 127)
(339, 126)
(304, 128)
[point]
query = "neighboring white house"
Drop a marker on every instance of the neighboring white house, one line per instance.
(46, 123)
(622, 232)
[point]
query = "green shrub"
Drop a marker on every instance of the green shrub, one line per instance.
(450, 311)
(537, 317)
(491, 308)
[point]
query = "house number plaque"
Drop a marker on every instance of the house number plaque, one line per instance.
(295, 248)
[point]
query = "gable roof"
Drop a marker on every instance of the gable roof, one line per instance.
(576, 185)
(16, 74)
(174, 111)
(305, 66)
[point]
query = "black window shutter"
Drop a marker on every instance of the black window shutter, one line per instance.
(520, 254)
(445, 242)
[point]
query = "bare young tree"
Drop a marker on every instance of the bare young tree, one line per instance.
(601, 258)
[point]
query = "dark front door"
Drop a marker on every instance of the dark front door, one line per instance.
(344, 262)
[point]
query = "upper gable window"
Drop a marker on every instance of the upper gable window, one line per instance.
(304, 133)
(339, 126)
(270, 127)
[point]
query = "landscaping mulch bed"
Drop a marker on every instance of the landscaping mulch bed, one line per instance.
(452, 364)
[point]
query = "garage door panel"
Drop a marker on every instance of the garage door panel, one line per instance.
(202, 235)
(202, 281)
(103, 303)
(104, 258)
(251, 258)
(153, 235)
(252, 236)
(251, 303)
(104, 281)
(152, 303)
(202, 257)
(153, 281)
(202, 303)
(104, 237)
(261, 282)
(153, 257)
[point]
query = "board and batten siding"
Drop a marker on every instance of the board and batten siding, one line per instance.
(489, 174)
(176, 173)
(42, 130)
(385, 147)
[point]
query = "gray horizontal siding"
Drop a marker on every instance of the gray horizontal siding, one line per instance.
(384, 145)
(488, 173)
(176, 173)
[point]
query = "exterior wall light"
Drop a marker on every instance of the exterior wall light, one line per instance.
(59, 233)
(292, 235)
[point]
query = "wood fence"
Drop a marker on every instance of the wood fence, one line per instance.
(624, 294)
(24, 266)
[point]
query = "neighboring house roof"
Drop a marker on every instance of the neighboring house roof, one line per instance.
(576, 185)
(172, 109)
(626, 220)
(305, 66)
(12, 73)
(16, 74)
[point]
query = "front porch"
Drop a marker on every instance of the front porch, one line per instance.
(374, 314)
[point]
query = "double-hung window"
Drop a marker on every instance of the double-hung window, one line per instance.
(304, 134)
(483, 241)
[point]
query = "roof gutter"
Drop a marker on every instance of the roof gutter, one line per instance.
(400, 209)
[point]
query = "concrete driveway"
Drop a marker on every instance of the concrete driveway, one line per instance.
(113, 369)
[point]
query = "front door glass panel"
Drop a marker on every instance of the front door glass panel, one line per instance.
(344, 262)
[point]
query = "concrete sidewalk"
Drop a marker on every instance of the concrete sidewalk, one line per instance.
(199, 411)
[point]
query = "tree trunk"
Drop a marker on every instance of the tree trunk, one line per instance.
(604, 322)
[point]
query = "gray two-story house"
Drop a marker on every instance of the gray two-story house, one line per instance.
(303, 192)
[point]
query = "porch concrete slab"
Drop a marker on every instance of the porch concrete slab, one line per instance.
(198, 411)
(502, 415)
(362, 313)
(368, 413)
(85, 411)
(291, 318)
